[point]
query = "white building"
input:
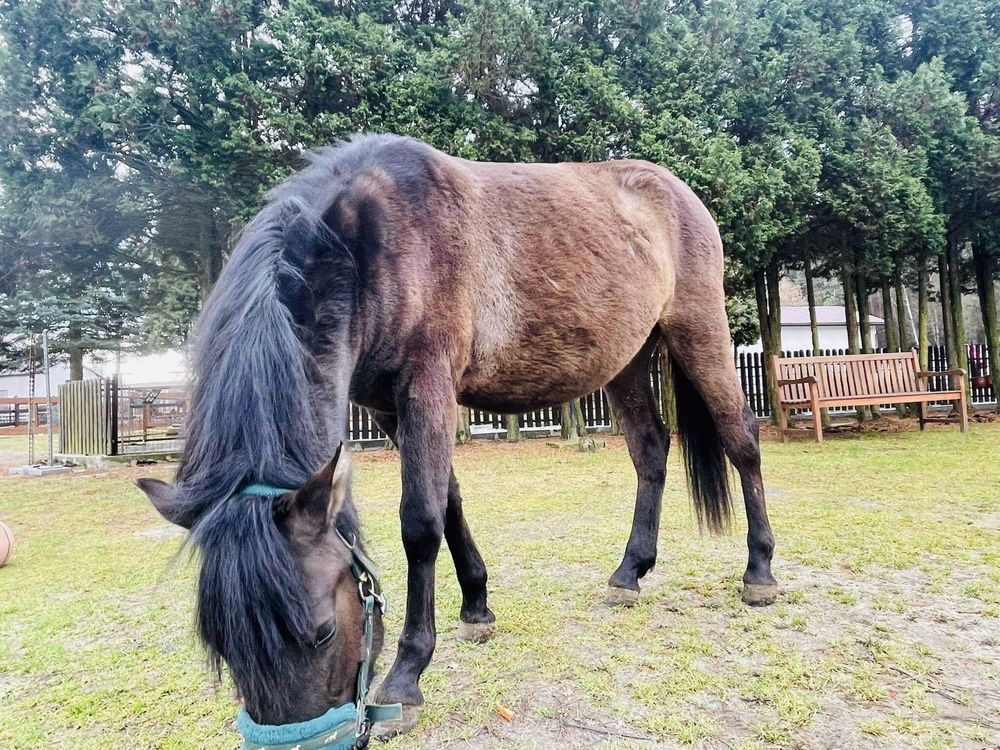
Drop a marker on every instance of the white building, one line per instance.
(831, 321)
(18, 384)
(168, 367)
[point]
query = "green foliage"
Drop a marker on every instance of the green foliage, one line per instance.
(141, 135)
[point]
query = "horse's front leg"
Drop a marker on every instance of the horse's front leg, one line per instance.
(475, 618)
(425, 435)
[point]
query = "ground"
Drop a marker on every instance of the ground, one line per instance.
(885, 635)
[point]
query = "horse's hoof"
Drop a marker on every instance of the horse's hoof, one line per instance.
(475, 632)
(760, 594)
(386, 730)
(619, 597)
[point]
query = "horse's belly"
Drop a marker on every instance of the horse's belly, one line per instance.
(556, 366)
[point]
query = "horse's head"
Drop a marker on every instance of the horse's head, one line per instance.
(278, 601)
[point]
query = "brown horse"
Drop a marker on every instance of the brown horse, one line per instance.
(411, 281)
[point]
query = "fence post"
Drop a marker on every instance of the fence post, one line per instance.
(113, 413)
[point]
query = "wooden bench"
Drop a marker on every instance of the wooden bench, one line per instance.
(814, 383)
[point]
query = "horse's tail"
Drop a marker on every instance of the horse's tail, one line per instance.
(254, 413)
(704, 458)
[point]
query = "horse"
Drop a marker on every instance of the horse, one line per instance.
(411, 282)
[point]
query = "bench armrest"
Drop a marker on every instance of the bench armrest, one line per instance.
(931, 373)
(957, 373)
(796, 381)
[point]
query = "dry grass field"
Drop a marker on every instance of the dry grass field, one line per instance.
(886, 633)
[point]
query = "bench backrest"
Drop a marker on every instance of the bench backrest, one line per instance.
(849, 375)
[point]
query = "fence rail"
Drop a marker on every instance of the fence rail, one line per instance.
(19, 411)
(152, 419)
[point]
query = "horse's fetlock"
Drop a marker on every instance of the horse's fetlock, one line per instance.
(474, 578)
(645, 564)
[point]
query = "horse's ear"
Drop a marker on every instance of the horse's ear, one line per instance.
(164, 498)
(323, 494)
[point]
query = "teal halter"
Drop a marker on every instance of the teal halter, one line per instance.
(264, 490)
(343, 727)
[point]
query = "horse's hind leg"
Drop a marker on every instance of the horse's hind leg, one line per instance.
(631, 396)
(475, 618)
(699, 343)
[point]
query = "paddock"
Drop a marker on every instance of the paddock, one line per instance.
(885, 635)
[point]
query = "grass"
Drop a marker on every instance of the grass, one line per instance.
(885, 634)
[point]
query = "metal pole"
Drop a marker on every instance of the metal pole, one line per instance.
(48, 391)
(32, 407)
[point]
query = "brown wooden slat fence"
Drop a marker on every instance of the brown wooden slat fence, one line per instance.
(17, 411)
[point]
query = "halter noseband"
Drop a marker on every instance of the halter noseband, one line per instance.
(346, 726)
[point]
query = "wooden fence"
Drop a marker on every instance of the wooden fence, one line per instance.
(18, 411)
(100, 417)
(88, 427)
(753, 375)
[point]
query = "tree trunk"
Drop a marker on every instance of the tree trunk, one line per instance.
(211, 255)
(961, 358)
(923, 313)
(814, 329)
(811, 300)
(851, 319)
(864, 313)
(74, 336)
(769, 318)
(513, 429)
(774, 303)
(851, 313)
(463, 433)
(891, 327)
(578, 419)
(892, 334)
(986, 287)
(565, 422)
(945, 292)
(904, 321)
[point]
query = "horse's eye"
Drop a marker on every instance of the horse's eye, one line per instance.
(324, 633)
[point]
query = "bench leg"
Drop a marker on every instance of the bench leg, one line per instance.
(963, 412)
(817, 413)
(783, 424)
(923, 415)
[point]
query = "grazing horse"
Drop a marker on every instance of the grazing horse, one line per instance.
(410, 282)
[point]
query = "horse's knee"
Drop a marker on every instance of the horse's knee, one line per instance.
(422, 528)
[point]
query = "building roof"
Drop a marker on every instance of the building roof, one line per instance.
(826, 315)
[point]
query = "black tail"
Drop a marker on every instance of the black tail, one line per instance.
(704, 459)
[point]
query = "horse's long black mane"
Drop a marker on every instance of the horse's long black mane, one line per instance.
(260, 412)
